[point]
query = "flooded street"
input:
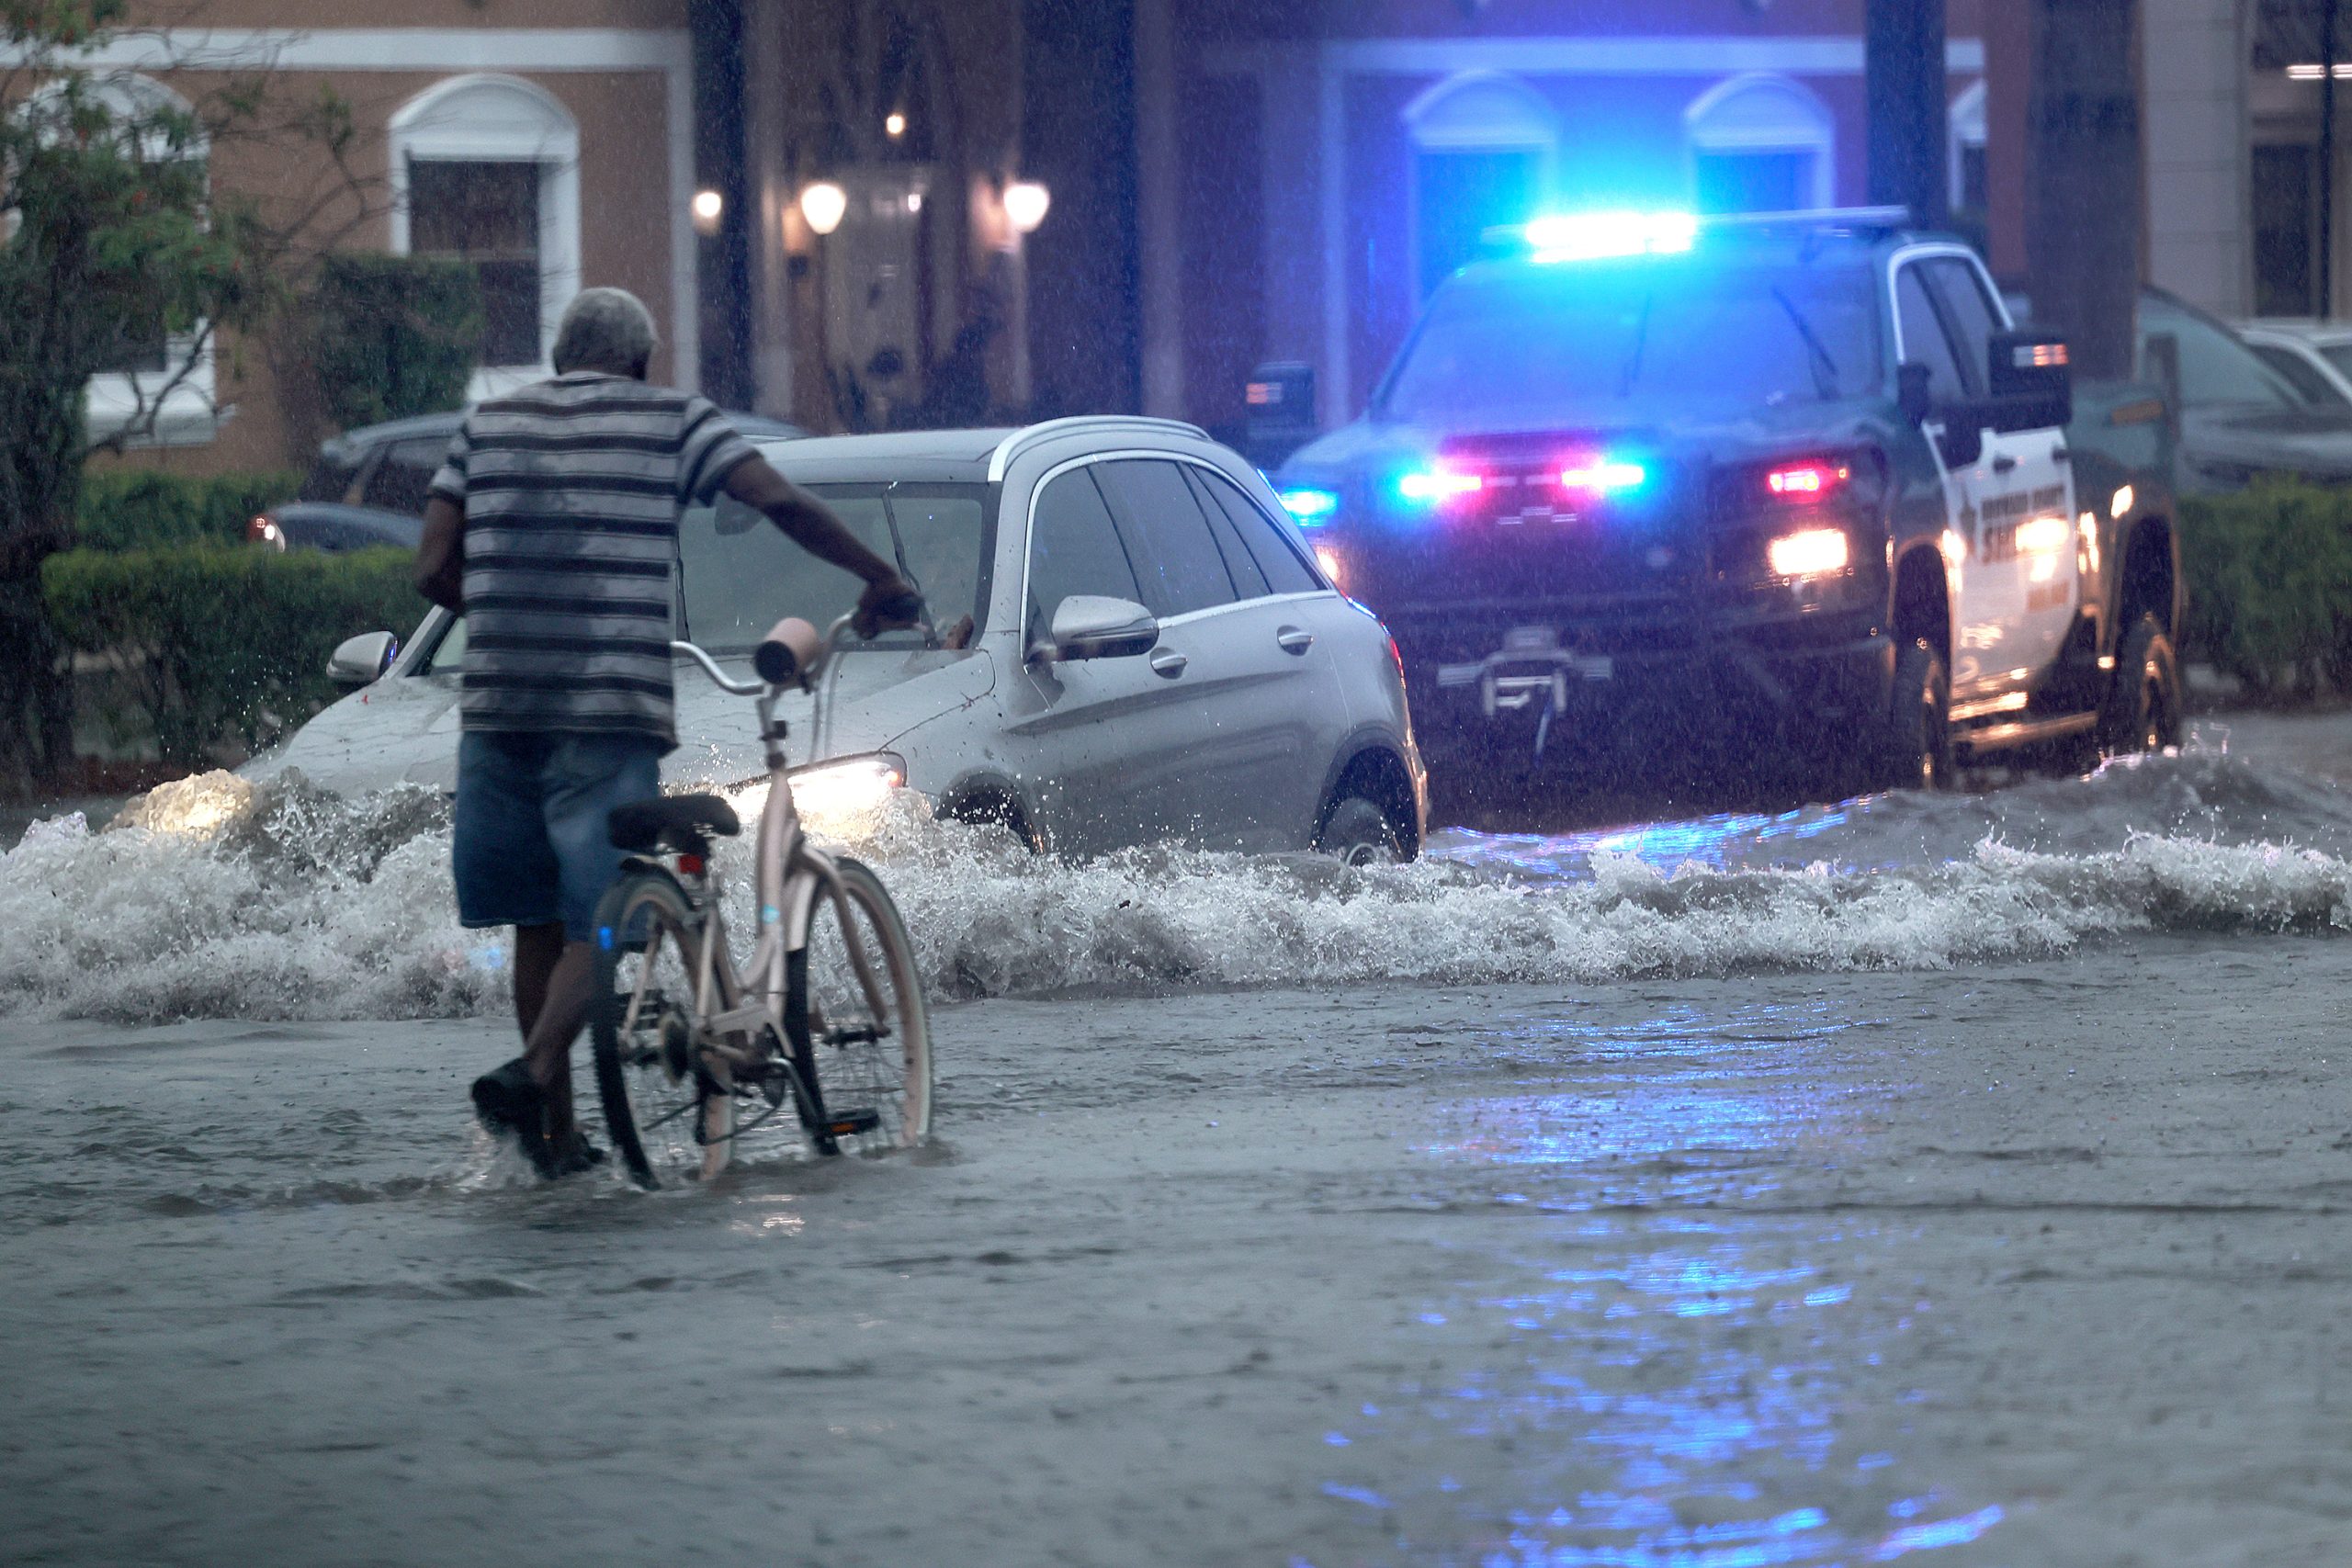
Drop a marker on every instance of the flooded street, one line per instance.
(1959, 1181)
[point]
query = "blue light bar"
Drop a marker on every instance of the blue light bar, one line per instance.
(1595, 236)
(1312, 508)
(1605, 476)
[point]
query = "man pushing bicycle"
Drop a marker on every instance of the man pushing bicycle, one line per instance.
(552, 528)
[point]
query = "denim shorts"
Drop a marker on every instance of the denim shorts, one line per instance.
(532, 847)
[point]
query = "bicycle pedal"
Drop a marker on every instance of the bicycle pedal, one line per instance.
(849, 1123)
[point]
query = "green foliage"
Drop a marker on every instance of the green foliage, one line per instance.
(135, 510)
(226, 643)
(2269, 574)
(395, 336)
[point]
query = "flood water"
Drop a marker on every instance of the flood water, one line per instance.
(1959, 1181)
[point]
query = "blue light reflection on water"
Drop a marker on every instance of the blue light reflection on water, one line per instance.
(1727, 842)
(1667, 1377)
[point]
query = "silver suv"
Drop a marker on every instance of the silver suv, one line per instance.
(1130, 644)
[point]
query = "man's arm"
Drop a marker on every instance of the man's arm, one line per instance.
(810, 524)
(441, 554)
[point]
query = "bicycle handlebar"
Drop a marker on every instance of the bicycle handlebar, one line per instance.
(718, 678)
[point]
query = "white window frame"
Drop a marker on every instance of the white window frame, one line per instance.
(178, 405)
(1479, 111)
(1968, 129)
(487, 118)
(1726, 120)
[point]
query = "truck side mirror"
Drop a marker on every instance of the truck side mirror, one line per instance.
(1911, 395)
(2031, 377)
(1279, 417)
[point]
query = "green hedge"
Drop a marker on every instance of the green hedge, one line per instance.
(221, 643)
(2269, 574)
(124, 509)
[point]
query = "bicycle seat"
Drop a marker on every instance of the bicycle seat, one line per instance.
(676, 824)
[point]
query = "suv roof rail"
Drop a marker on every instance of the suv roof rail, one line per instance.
(1814, 218)
(1011, 445)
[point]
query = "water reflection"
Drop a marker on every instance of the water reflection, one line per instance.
(1658, 1370)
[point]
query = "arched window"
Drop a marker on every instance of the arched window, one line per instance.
(486, 169)
(1760, 143)
(1968, 183)
(1484, 146)
(155, 388)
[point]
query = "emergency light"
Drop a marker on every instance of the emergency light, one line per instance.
(1439, 484)
(1603, 476)
(1596, 236)
(1310, 508)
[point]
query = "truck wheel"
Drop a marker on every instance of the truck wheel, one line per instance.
(1917, 749)
(2143, 707)
(1357, 833)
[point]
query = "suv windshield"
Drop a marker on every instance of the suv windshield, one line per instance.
(1684, 333)
(741, 575)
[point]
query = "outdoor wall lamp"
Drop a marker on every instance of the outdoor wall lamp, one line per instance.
(1025, 203)
(707, 206)
(823, 204)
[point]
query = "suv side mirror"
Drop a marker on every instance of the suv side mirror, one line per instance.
(2031, 377)
(362, 661)
(1279, 417)
(1087, 625)
(1911, 396)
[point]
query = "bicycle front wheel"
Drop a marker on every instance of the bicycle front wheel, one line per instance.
(668, 1117)
(871, 1071)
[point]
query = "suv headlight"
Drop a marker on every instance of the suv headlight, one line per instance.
(841, 793)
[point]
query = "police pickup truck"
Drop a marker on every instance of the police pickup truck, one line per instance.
(1791, 481)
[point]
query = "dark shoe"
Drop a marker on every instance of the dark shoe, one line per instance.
(506, 1100)
(554, 1159)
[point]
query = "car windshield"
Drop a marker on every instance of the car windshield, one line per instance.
(741, 575)
(1684, 333)
(2338, 354)
(2216, 367)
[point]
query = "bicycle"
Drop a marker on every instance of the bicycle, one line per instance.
(694, 1056)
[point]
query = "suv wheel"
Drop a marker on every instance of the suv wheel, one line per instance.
(1357, 833)
(1915, 750)
(2143, 707)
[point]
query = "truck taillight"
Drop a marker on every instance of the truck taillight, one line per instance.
(1807, 481)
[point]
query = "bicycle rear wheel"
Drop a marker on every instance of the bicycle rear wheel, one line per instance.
(669, 1119)
(872, 1076)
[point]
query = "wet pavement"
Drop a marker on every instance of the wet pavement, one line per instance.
(2032, 1263)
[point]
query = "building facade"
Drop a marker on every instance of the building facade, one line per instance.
(551, 143)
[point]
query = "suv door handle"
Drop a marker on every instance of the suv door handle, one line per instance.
(1167, 662)
(2004, 463)
(1295, 640)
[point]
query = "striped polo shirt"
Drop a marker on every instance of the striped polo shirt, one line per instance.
(571, 490)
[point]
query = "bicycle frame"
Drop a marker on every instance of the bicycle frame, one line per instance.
(790, 874)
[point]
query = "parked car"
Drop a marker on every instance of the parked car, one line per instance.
(2315, 357)
(2239, 416)
(367, 487)
(1133, 644)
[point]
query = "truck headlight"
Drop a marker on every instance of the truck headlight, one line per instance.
(834, 794)
(1809, 552)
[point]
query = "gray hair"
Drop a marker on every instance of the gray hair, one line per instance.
(604, 329)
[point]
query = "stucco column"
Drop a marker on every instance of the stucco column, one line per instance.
(768, 182)
(1159, 229)
(2201, 217)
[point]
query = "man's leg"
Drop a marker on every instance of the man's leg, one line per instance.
(537, 950)
(546, 1048)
